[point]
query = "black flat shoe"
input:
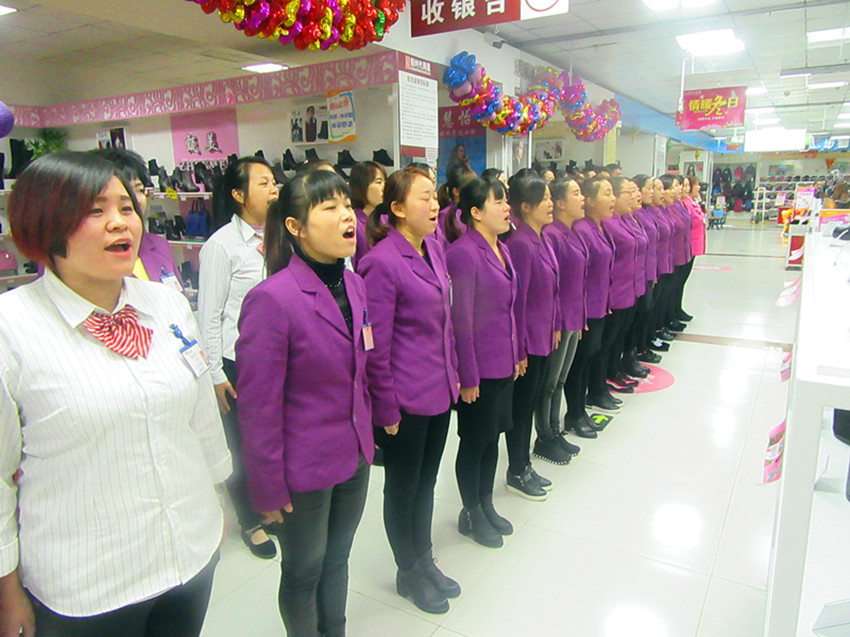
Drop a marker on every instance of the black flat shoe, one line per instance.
(620, 389)
(649, 357)
(684, 316)
(580, 427)
(659, 346)
(264, 550)
(676, 326)
(666, 335)
(621, 380)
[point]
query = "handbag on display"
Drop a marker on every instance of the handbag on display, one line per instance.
(198, 221)
(8, 263)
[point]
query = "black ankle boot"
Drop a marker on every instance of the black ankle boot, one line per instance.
(179, 224)
(312, 155)
(446, 586)
(289, 162)
(153, 167)
(344, 159)
(502, 526)
(21, 157)
(473, 522)
(580, 427)
(277, 171)
(382, 157)
(260, 154)
(340, 171)
(164, 181)
(416, 586)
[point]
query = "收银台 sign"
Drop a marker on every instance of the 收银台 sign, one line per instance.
(439, 16)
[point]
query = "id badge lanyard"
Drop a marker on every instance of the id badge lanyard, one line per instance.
(170, 279)
(368, 341)
(192, 353)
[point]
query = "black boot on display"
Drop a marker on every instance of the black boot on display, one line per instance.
(232, 159)
(289, 162)
(340, 171)
(445, 585)
(279, 176)
(649, 357)
(503, 526)
(416, 586)
(580, 427)
(153, 167)
(312, 155)
(204, 177)
(146, 179)
(525, 485)
(170, 233)
(162, 177)
(21, 156)
(473, 522)
(179, 224)
(684, 316)
(382, 157)
(2, 170)
(344, 159)
(260, 153)
(183, 181)
(551, 450)
(217, 173)
(154, 226)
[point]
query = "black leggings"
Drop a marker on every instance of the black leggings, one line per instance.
(684, 273)
(661, 301)
(411, 461)
(475, 468)
(599, 363)
(638, 338)
(618, 348)
(526, 390)
(575, 388)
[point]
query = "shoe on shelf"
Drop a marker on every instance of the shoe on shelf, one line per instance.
(382, 157)
(620, 389)
(445, 585)
(153, 167)
(676, 326)
(312, 155)
(164, 181)
(339, 171)
(277, 171)
(545, 483)
(289, 162)
(344, 159)
(413, 584)
(603, 403)
(569, 447)
(596, 425)
(684, 316)
(259, 547)
(551, 450)
(232, 158)
(649, 357)
(580, 427)
(659, 346)
(502, 526)
(525, 485)
(473, 522)
(260, 154)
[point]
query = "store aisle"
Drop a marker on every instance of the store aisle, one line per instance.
(659, 528)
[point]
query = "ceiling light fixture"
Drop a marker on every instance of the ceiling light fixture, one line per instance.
(268, 67)
(767, 121)
(756, 90)
(842, 125)
(711, 43)
(828, 35)
(6, 10)
(818, 85)
(844, 116)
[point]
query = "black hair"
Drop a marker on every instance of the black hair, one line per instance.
(475, 195)
(521, 173)
(360, 178)
(129, 164)
(558, 188)
(641, 179)
(667, 181)
(617, 184)
(396, 189)
(529, 190)
(457, 178)
(298, 197)
(590, 187)
(614, 166)
(492, 173)
(237, 176)
(421, 165)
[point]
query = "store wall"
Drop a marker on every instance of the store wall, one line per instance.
(635, 150)
(558, 131)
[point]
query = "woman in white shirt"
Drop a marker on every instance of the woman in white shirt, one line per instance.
(231, 263)
(108, 419)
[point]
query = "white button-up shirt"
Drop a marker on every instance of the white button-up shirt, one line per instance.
(230, 265)
(118, 457)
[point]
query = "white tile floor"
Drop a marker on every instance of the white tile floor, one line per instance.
(659, 528)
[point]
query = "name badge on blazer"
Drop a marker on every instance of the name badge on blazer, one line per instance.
(192, 353)
(170, 279)
(368, 340)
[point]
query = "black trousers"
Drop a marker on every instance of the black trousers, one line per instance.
(678, 296)
(526, 390)
(411, 461)
(661, 301)
(618, 348)
(599, 363)
(475, 469)
(315, 542)
(237, 487)
(575, 388)
(178, 612)
(639, 335)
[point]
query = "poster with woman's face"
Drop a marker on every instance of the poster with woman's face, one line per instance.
(309, 124)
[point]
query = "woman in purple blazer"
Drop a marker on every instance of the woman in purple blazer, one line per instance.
(304, 406)
(571, 255)
(537, 317)
(643, 319)
(412, 375)
(678, 316)
(666, 230)
(367, 181)
(484, 294)
(598, 205)
(450, 224)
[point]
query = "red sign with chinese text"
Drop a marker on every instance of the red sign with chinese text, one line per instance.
(439, 16)
(713, 108)
(455, 121)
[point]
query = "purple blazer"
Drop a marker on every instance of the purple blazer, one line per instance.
(622, 292)
(571, 254)
(304, 407)
(665, 240)
(414, 364)
(648, 225)
(485, 294)
(449, 215)
(362, 240)
(686, 216)
(600, 258)
(641, 245)
(677, 246)
(537, 310)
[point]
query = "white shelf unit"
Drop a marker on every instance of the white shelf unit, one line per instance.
(808, 565)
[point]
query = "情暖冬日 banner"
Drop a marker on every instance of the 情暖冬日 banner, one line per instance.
(439, 16)
(713, 108)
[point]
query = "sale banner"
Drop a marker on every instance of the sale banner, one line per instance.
(439, 16)
(341, 118)
(713, 108)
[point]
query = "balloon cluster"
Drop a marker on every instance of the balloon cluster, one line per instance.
(310, 24)
(469, 85)
(7, 122)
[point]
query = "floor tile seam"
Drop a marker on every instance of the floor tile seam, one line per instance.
(722, 531)
(732, 341)
(668, 477)
(221, 599)
(411, 612)
(731, 581)
(744, 255)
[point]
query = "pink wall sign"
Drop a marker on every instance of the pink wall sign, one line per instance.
(713, 108)
(208, 136)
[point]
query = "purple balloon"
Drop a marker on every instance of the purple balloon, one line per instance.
(7, 120)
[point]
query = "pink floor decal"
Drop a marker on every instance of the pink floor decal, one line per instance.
(657, 380)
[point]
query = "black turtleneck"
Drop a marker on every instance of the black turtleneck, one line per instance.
(332, 275)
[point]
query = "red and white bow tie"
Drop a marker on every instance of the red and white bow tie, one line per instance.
(121, 332)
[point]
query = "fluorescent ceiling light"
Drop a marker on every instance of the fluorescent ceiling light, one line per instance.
(710, 43)
(817, 85)
(6, 10)
(268, 67)
(842, 125)
(828, 35)
(767, 121)
(784, 75)
(844, 116)
(756, 90)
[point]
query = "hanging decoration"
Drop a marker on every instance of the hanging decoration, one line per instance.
(7, 122)
(470, 86)
(318, 25)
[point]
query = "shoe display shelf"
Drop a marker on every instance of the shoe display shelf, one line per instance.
(769, 187)
(812, 519)
(9, 280)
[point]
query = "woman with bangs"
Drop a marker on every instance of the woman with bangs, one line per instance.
(643, 317)
(304, 407)
(366, 181)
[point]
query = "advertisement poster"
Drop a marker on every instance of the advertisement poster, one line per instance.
(804, 198)
(341, 117)
(713, 108)
(207, 136)
(462, 139)
(418, 118)
(549, 150)
(309, 124)
(439, 16)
